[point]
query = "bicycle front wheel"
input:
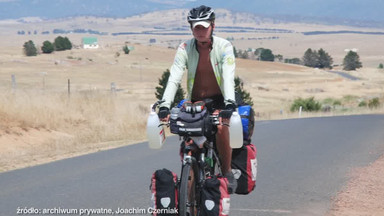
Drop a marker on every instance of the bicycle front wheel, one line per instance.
(187, 201)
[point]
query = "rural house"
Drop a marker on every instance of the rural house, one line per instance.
(90, 43)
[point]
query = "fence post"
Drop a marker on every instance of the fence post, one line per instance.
(69, 87)
(44, 74)
(113, 88)
(300, 110)
(13, 82)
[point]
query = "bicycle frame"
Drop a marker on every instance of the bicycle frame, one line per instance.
(202, 162)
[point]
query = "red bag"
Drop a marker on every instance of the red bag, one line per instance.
(215, 200)
(244, 168)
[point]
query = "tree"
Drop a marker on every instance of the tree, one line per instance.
(351, 61)
(258, 51)
(239, 88)
(279, 57)
(62, 43)
(59, 43)
(163, 81)
(317, 59)
(47, 47)
(267, 55)
(67, 44)
(30, 48)
(235, 52)
(292, 61)
(243, 54)
(324, 60)
(381, 66)
(310, 58)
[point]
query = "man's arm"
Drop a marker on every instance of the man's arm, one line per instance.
(228, 73)
(176, 75)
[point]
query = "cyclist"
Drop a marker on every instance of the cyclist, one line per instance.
(210, 62)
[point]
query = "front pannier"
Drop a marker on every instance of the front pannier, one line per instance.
(215, 200)
(164, 191)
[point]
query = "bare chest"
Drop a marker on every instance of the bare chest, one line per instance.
(205, 84)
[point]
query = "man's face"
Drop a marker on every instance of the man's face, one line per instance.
(201, 33)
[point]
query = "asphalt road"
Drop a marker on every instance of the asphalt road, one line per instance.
(302, 163)
(345, 75)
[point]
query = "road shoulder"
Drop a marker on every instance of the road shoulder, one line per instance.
(363, 194)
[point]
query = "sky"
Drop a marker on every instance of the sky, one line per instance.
(365, 10)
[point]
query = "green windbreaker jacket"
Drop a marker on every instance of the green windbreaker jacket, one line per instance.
(187, 56)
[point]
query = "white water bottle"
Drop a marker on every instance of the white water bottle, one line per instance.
(155, 131)
(235, 131)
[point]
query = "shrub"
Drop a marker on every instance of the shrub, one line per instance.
(126, 49)
(350, 98)
(374, 103)
(362, 104)
(292, 61)
(336, 103)
(308, 105)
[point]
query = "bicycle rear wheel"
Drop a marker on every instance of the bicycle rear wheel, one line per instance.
(187, 201)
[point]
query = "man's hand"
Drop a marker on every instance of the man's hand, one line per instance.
(227, 112)
(164, 114)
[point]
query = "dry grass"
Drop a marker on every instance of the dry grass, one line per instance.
(90, 116)
(36, 127)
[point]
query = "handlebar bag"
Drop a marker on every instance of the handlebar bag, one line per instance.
(192, 124)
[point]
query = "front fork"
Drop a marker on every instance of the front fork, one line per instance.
(201, 162)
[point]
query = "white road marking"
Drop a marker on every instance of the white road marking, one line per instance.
(279, 211)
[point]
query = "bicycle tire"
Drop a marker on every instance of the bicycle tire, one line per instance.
(187, 198)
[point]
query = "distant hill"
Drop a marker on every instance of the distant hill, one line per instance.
(169, 22)
(347, 12)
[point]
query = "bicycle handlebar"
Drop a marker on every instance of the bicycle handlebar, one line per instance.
(155, 105)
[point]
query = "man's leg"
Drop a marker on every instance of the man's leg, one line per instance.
(225, 154)
(225, 150)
